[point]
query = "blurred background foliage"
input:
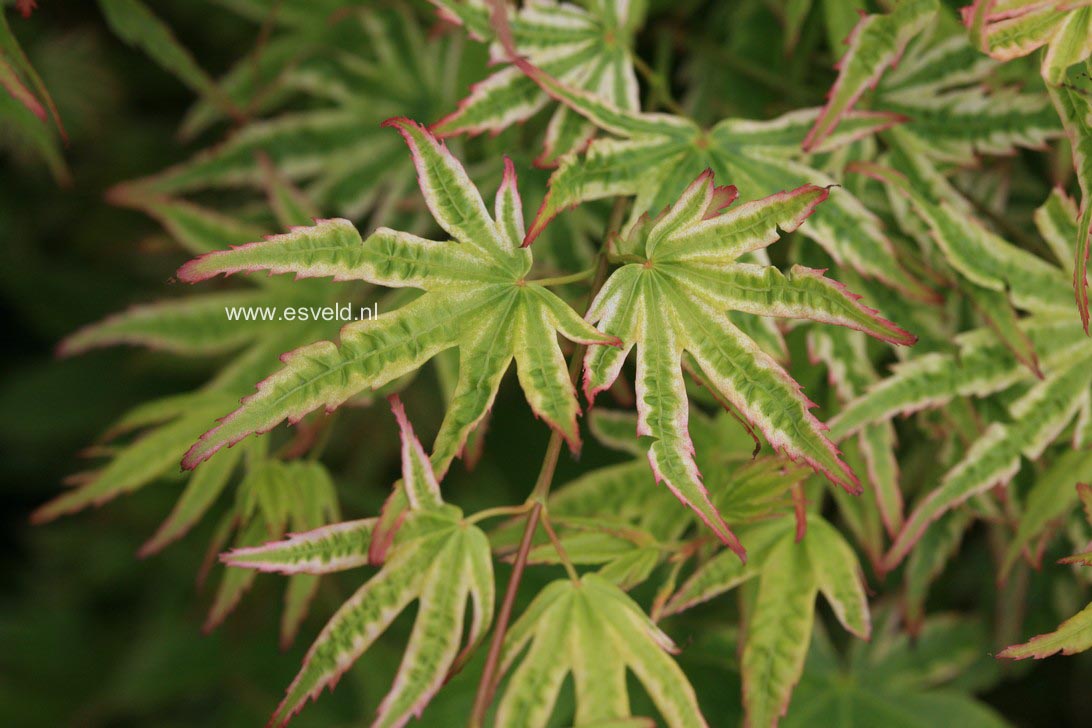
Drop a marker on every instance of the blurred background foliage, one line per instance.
(90, 635)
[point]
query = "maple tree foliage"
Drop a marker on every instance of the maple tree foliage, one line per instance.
(803, 350)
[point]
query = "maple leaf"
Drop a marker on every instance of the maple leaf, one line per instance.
(192, 326)
(273, 498)
(874, 44)
(437, 559)
(986, 364)
(850, 374)
(790, 575)
(1037, 417)
(894, 679)
(590, 49)
(681, 277)
(1075, 634)
(25, 103)
(334, 148)
(591, 629)
(620, 519)
(924, 72)
(1050, 498)
(1073, 101)
(135, 24)
(477, 298)
(1007, 29)
(995, 275)
(659, 154)
(302, 41)
(838, 18)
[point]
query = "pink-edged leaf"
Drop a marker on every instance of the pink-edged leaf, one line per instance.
(875, 44)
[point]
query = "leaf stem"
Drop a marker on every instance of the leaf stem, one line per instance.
(561, 553)
(498, 512)
(659, 85)
(487, 686)
(562, 280)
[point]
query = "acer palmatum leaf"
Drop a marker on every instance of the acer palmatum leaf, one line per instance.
(681, 278)
(592, 630)
(791, 573)
(876, 43)
(437, 560)
(1075, 634)
(1015, 29)
(477, 299)
(657, 155)
(589, 48)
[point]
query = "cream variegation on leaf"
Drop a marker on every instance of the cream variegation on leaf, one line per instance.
(671, 301)
(477, 298)
(656, 155)
(589, 47)
(437, 560)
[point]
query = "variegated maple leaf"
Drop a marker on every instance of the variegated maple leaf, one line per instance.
(936, 87)
(477, 299)
(996, 277)
(193, 326)
(671, 299)
(591, 629)
(791, 573)
(659, 154)
(358, 68)
(274, 498)
(879, 509)
(272, 495)
(588, 48)
(986, 364)
(437, 559)
(875, 43)
(1075, 634)
(297, 36)
(1007, 29)
(1073, 101)
(618, 517)
(1049, 500)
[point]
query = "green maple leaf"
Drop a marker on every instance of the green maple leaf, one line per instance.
(477, 299)
(595, 632)
(1007, 29)
(936, 87)
(300, 37)
(1050, 498)
(590, 49)
(894, 679)
(790, 573)
(437, 559)
(657, 155)
(671, 300)
(1075, 634)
